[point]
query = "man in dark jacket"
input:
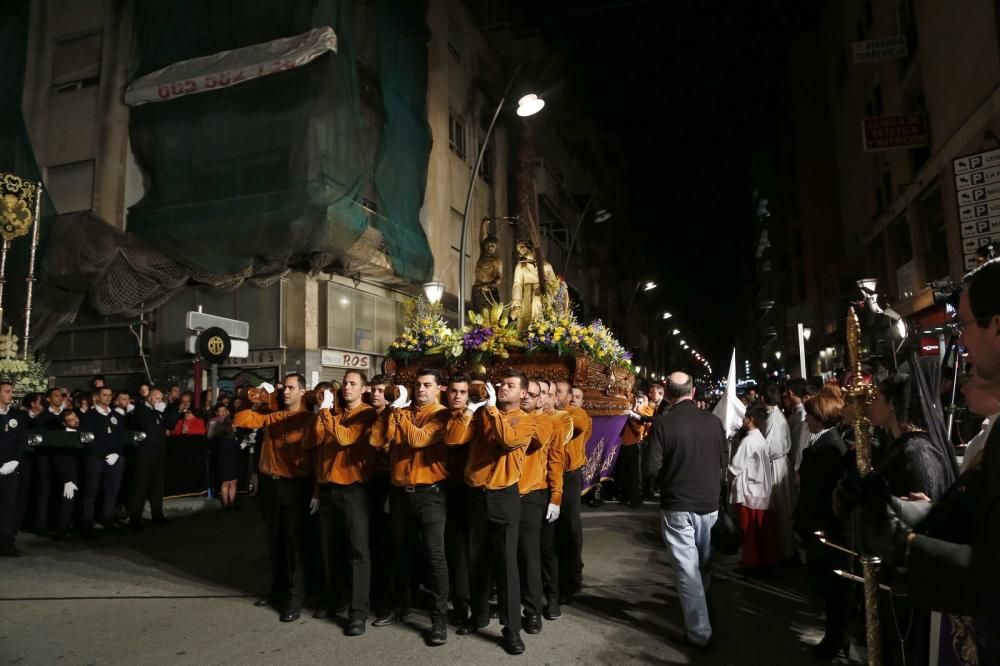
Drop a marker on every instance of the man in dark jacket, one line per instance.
(103, 464)
(687, 456)
(150, 455)
(957, 574)
(13, 424)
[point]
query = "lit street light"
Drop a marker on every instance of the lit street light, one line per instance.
(434, 291)
(667, 315)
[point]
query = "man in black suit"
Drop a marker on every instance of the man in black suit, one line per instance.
(150, 455)
(103, 464)
(687, 456)
(13, 427)
(958, 572)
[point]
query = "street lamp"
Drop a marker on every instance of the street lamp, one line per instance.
(434, 291)
(806, 333)
(777, 355)
(667, 315)
(647, 286)
(676, 332)
(526, 106)
(764, 364)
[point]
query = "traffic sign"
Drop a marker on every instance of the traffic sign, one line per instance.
(979, 195)
(990, 225)
(214, 345)
(976, 161)
(979, 211)
(979, 178)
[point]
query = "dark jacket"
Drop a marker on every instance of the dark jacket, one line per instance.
(146, 419)
(912, 464)
(687, 455)
(822, 467)
(963, 578)
(13, 431)
(107, 432)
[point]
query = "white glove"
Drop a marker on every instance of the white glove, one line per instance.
(244, 444)
(267, 387)
(552, 514)
(130, 408)
(8, 467)
(327, 400)
(69, 489)
(111, 459)
(473, 406)
(313, 506)
(160, 406)
(632, 414)
(401, 402)
(491, 401)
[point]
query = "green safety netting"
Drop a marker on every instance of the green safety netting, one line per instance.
(277, 170)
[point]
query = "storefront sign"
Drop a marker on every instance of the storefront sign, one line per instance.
(257, 357)
(892, 132)
(930, 346)
(877, 50)
(337, 358)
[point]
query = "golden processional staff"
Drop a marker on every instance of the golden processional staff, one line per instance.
(862, 394)
(20, 212)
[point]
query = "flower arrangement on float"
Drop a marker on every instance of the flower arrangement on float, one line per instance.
(28, 375)
(492, 334)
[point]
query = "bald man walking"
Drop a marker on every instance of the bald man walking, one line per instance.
(687, 457)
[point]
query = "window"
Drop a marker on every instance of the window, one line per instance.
(486, 168)
(71, 186)
(76, 62)
(899, 235)
(360, 322)
(930, 209)
(456, 134)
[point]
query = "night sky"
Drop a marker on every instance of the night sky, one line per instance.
(692, 90)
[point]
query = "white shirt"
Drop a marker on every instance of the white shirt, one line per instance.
(751, 470)
(779, 441)
(977, 443)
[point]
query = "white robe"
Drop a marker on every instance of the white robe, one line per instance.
(779, 445)
(751, 470)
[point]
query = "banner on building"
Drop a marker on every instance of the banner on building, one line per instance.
(893, 132)
(877, 50)
(228, 68)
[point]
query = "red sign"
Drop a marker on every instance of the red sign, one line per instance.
(892, 132)
(930, 346)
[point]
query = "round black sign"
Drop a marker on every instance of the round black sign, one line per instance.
(214, 345)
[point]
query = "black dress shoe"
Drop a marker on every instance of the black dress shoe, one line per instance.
(261, 603)
(439, 632)
(532, 624)
(552, 611)
(355, 628)
(471, 627)
(512, 642)
(290, 616)
(392, 618)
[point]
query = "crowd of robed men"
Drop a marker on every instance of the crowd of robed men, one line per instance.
(410, 492)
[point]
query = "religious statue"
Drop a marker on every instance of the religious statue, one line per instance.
(526, 295)
(489, 270)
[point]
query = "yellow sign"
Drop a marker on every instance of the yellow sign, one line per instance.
(216, 345)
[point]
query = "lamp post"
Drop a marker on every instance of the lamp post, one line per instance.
(646, 286)
(526, 106)
(434, 291)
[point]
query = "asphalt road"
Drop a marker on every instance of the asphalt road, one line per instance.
(183, 593)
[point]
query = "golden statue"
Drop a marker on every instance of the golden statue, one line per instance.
(526, 295)
(489, 270)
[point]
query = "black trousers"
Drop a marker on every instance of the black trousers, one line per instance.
(26, 474)
(494, 518)
(562, 543)
(63, 469)
(380, 543)
(419, 515)
(285, 505)
(343, 520)
(628, 476)
(41, 490)
(835, 591)
(8, 506)
(529, 549)
(100, 483)
(147, 483)
(456, 536)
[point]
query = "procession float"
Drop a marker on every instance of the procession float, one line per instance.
(535, 332)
